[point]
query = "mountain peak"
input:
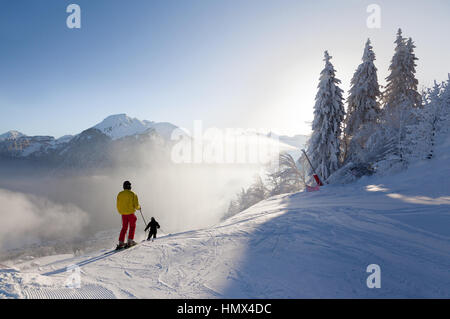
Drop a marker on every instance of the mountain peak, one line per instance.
(117, 117)
(120, 125)
(11, 135)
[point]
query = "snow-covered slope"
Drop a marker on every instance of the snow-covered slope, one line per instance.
(296, 245)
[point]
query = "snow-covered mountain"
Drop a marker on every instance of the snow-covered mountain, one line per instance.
(14, 144)
(22, 146)
(11, 135)
(120, 125)
(96, 140)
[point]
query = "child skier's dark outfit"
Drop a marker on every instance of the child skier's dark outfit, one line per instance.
(153, 225)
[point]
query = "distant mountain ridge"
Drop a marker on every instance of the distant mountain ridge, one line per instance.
(105, 143)
(14, 144)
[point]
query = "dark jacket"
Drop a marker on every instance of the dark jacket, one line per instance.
(153, 225)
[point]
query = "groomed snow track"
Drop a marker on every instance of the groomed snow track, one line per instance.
(84, 292)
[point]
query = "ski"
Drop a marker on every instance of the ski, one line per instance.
(116, 250)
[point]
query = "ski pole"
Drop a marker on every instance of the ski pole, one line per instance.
(143, 218)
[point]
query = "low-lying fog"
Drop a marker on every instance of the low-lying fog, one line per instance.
(42, 205)
(45, 207)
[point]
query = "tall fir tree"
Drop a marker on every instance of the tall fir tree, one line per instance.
(401, 88)
(325, 143)
(414, 97)
(395, 88)
(400, 98)
(363, 106)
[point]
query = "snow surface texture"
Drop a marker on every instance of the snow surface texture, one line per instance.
(312, 245)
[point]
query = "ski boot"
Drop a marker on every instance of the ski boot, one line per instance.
(120, 246)
(130, 243)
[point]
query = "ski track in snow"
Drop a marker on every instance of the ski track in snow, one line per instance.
(85, 292)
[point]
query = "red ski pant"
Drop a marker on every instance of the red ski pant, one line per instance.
(131, 221)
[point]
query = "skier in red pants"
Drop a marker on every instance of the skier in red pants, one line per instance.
(127, 204)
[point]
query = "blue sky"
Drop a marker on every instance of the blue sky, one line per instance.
(246, 63)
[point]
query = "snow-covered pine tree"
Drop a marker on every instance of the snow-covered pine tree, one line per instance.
(324, 146)
(395, 89)
(433, 115)
(421, 134)
(363, 107)
(414, 98)
(400, 98)
(446, 93)
(401, 88)
(257, 191)
(446, 104)
(248, 197)
(233, 209)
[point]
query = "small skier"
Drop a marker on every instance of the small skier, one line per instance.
(127, 204)
(153, 225)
